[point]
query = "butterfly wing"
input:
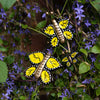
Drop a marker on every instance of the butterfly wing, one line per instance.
(68, 35)
(54, 41)
(68, 64)
(36, 57)
(49, 30)
(52, 63)
(65, 59)
(74, 60)
(63, 23)
(73, 55)
(30, 71)
(45, 76)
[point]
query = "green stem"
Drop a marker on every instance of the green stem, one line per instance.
(64, 7)
(63, 47)
(37, 31)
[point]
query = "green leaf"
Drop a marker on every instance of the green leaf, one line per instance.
(1, 42)
(22, 76)
(34, 94)
(9, 59)
(95, 49)
(78, 84)
(3, 49)
(82, 1)
(86, 97)
(22, 98)
(59, 94)
(84, 52)
(96, 4)
(84, 67)
(59, 82)
(65, 98)
(24, 26)
(98, 91)
(53, 94)
(41, 24)
(3, 72)
(6, 4)
(97, 62)
(11, 14)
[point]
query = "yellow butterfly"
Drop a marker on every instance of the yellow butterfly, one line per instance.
(42, 60)
(70, 59)
(60, 30)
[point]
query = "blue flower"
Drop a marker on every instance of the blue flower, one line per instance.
(8, 31)
(79, 9)
(19, 70)
(12, 74)
(21, 61)
(87, 23)
(79, 16)
(21, 31)
(70, 26)
(83, 90)
(66, 71)
(14, 7)
(29, 15)
(15, 66)
(5, 96)
(13, 44)
(37, 9)
(70, 74)
(31, 89)
(23, 1)
(97, 32)
(65, 94)
(44, 15)
(10, 83)
(28, 6)
(87, 81)
(19, 52)
(50, 50)
(88, 45)
(92, 57)
(1, 21)
(9, 90)
(1, 56)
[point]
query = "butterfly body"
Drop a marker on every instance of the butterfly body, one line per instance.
(38, 71)
(58, 31)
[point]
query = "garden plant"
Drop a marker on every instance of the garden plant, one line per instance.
(49, 49)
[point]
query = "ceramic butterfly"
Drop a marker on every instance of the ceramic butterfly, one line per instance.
(70, 59)
(60, 30)
(43, 62)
